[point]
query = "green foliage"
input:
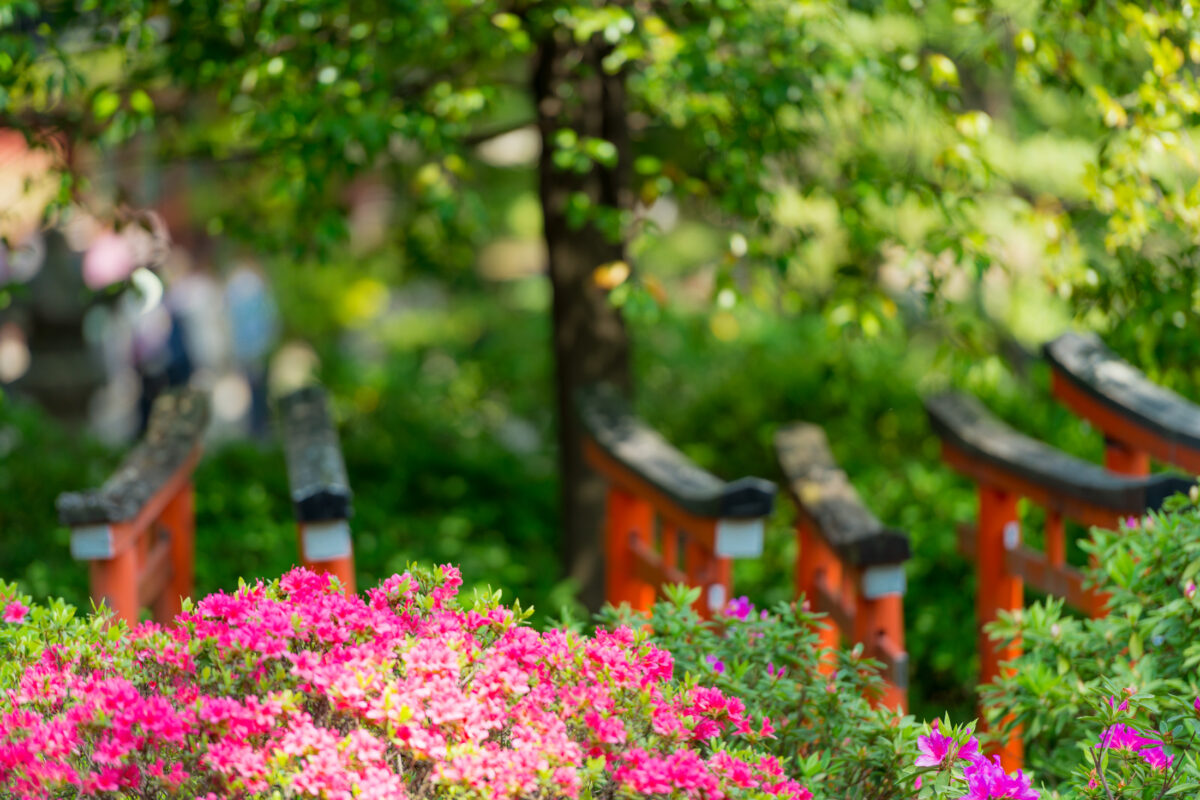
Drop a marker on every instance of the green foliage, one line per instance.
(836, 743)
(1148, 642)
(722, 401)
(38, 460)
(53, 625)
(841, 140)
(424, 438)
(425, 435)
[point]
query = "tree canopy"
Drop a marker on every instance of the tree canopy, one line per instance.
(785, 121)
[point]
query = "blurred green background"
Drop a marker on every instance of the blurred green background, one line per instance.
(449, 448)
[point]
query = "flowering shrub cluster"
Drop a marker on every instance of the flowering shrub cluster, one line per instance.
(1108, 739)
(1144, 651)
(291, 689)
(960, 767)
(1130, 759)
(825, 729)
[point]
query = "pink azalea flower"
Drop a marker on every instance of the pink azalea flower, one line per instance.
(938, 749)
(1125, 739)
(739, 607)
(15, 611)
(442, 681)
(987, 780)
(1157, 758)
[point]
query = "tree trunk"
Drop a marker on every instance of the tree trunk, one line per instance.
(590, 341)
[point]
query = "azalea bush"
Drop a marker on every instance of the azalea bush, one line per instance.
(1149, 643)
(1126, 744)
(1145, 748)
(292, 689)
(817, 700)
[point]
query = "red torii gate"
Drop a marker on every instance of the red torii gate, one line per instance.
(1006, 466)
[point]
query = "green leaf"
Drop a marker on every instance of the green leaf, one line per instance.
(105, 104)
(140, 102)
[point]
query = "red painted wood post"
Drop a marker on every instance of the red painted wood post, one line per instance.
(1056, 540)
(999, 531)
(700, 567)
(817, 565)
(180, 522)
(115, 583)
(668, 545)
(704, 519)
(882, 618)
(629, 519)
(320, 489)
(723, 577)
(717, 584)
(1125, 459)
(136, 531)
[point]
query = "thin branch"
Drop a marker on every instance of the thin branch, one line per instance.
(1099, 769)
(1170, 781)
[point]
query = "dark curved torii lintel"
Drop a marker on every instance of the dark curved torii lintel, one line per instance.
(641, 450)
(316, 471)
(1099, 376)
(965, 425)
(824, 495)
(173, 437)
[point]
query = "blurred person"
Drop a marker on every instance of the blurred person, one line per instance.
(196, 296)
(160, 354)
(254, 329)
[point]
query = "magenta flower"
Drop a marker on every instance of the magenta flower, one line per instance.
(1157, 758)
(717, 664)
(15, 611)
(1124, 739)
(1189, 591)
(740, 607)
(766, 730)
(938, 749)
(987, 780)
(1196, 705)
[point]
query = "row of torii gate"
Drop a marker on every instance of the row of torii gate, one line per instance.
(669, 521)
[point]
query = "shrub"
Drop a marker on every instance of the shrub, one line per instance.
(1127, 744)
(1144, 652)
(1143, 750)
(291, 689)
(816, 699)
